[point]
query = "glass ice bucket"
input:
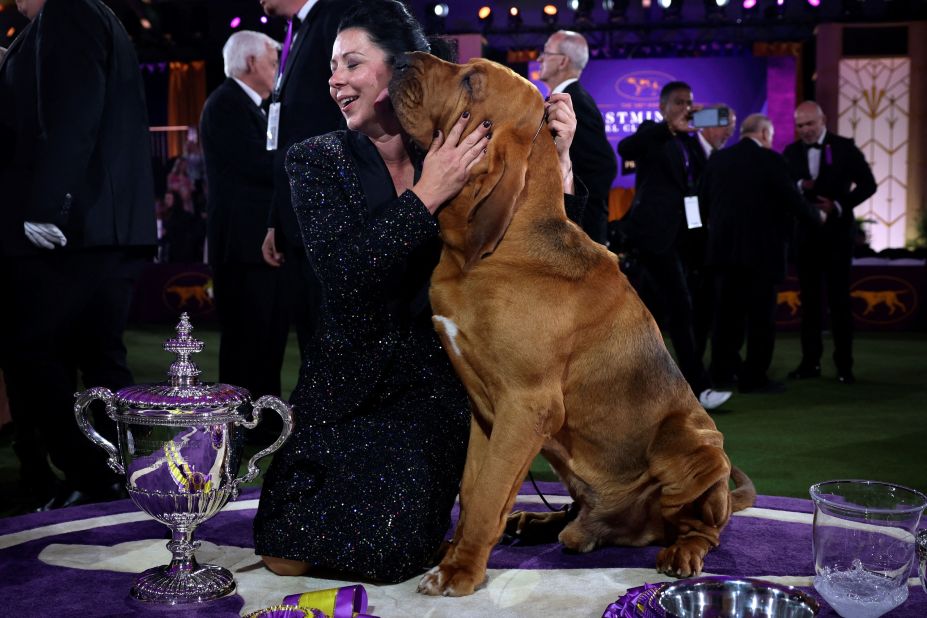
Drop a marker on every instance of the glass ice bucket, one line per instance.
(863, 542)
(180, 446)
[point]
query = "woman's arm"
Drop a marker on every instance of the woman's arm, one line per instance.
(351, 251)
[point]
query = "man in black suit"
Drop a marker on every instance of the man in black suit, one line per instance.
(701, 283)
(76, 222)
(305, 109)
(250, 299)
(661, 214)
(751, 201)
(562, 61)
(830, 170)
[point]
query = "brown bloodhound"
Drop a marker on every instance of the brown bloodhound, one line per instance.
(556, 350)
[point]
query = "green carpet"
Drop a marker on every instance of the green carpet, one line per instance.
(816, 430)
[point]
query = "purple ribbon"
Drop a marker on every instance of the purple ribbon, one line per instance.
(828, 154)
(287, 42)
(348, 602)
(634, 604)
(350, 599)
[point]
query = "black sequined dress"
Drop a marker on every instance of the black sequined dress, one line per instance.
(366, 483)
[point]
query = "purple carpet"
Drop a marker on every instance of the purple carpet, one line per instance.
(53, 563)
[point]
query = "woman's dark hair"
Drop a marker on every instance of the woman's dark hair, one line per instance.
(445, 49)
(389, 25)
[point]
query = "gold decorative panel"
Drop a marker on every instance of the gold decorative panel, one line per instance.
(873, 109)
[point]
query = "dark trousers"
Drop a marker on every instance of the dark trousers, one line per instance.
(668, 276)
(64, 314)
(304, 296)
(253, 324)
(745, 305)
(825, 262)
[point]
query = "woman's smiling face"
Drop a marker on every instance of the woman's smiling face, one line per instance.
(360, 75)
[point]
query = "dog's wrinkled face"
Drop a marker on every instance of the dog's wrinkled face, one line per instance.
(429, 94)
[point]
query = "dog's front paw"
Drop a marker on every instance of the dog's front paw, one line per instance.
(449, 581)
(682, 559)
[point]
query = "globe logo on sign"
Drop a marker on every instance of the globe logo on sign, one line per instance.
(642, 86)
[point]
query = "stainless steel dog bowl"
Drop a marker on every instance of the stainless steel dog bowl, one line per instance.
(726, 597)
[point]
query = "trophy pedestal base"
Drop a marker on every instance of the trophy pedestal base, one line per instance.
(171, 586)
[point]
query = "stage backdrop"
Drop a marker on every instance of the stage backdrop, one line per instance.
(628, 91)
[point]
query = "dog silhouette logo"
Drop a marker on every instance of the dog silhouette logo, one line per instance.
(788, 303)
(643, 86)
(189, 291)
(883, 299)
(791, 299)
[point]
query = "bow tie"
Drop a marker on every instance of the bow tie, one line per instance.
(814, 146)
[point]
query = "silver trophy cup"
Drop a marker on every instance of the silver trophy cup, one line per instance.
(180, 447)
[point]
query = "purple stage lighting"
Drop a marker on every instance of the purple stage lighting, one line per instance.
(814, 3)
(263, 19)
(749, 4)
(236, 21)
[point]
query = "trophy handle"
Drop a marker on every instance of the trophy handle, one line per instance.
(82, 403)
(278, 406)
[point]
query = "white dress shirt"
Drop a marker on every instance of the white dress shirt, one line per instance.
(814, 157)
(563, 85)
(251, 92)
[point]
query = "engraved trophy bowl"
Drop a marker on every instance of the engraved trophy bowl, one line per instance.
(180, 445)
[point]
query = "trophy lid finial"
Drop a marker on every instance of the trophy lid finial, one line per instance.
(183, 371)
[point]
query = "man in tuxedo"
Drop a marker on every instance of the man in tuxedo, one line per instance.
(751, 202)
(830, 170)
(76, 223)
(662, 213)
(562, 61)
(305, 110)
(250, 299)
(701, 283)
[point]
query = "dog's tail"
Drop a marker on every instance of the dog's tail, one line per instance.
(744, 494)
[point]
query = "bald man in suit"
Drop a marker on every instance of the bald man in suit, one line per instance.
(830, 170)
(562, 62)
(752, 204)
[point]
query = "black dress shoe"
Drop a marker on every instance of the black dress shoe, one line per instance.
(803, 372)
(846, 377)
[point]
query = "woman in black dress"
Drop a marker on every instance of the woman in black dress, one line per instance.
(365, 484)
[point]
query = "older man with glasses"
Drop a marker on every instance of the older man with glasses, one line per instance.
(562, 62)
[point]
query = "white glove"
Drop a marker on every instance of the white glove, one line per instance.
(44, 235)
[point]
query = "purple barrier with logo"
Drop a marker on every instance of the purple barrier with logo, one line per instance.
(163, 291)
(628, 91)
(883, 298)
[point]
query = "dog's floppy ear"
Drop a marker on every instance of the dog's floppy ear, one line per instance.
(495, 194)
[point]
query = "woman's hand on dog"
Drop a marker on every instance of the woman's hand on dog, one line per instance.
(561, 120)
(449, 160)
